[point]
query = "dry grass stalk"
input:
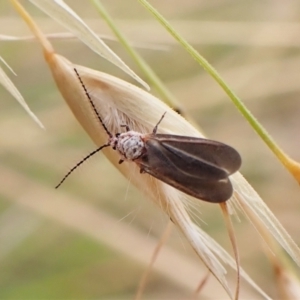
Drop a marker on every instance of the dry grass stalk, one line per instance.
(122, 103)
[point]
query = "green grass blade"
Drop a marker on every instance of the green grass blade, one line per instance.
(290, 164)
(164, 93)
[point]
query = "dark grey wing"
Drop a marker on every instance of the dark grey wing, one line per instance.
(165, 165)
(201, 151)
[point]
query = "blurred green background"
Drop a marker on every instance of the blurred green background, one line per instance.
(92, 238)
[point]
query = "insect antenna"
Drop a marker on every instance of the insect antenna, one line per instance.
(102, 123)
(80, 163)
(92, 103)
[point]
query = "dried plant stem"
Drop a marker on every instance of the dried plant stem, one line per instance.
(154, 256)
(230, 229)
(201, 284)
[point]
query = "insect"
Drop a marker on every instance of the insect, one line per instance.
(195, 166)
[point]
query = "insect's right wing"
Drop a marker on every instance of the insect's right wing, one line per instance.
(200, 150)
(177, 163)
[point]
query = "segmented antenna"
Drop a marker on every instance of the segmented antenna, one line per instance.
(105, 128)
(92, 103)
(80, 163)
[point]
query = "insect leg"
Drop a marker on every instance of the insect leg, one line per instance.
(126, 126)
(155, 128)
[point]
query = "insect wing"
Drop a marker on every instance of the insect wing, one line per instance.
(180, 165)
(201, 150)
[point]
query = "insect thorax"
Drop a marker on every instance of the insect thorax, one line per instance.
(130, 145)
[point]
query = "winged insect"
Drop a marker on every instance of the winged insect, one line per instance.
(196, 166)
